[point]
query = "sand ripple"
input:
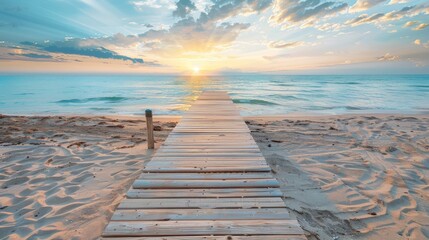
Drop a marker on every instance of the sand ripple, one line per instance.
(61, 177)
(352, 177)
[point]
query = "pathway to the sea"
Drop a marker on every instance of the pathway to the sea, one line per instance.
(207, 181)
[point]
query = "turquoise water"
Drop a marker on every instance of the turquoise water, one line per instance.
(254, 94)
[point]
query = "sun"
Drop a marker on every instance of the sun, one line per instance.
(195, 70)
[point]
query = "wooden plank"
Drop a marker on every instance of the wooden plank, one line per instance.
(205, 163)
(204, 193)
(172, 148)
(209, 160)
(206, 227)
(184, 145)
(199, 214)
(210, 154)
(208, 180)
(225, 237)
(213, 183)
(205, 176)
(207, 169)
(157, 203)
(205, 150)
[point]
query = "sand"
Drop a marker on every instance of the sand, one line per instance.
(62, 177)
(343, 177)
(351, 177)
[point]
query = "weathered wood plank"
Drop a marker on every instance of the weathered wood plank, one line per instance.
(230, 183)
(204, 193)
(206, 203)
(199, 214)
(208, 163)
(208, 180)
(205, 176)
(207, 169)
(177, 228)
(210, 154)
(207, 158)
(225, 237)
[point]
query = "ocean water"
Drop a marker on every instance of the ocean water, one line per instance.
(44, 94)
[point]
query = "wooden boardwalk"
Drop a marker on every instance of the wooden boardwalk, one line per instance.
(207, 181)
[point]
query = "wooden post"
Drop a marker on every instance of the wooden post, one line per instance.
(149, 121)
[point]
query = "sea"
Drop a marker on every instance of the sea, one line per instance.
(254, 94)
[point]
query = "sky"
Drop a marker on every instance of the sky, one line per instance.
(215, 36)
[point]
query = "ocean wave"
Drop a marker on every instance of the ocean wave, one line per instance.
(100, 109)
(288, 97)
(351, 108)
(347, 83)
(23, 94)
(357, 108)
(96, 99)
(285, 97)
(420, 86)
(318, 108)
(253, 102)
(287, 84)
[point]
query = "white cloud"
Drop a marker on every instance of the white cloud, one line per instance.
(283, 44)
(397, 1)
(289, 13)
(362, 5)
(140, 5)
(410, 23)
(421, 27)
(390, 16)
(420, 43)
(388, 57)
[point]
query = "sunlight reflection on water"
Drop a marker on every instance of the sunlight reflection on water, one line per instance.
(254, 94)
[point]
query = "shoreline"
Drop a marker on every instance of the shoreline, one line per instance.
(359, 176)
(271, 117)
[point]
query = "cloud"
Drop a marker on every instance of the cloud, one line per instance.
(418, 42)
(290, 12)
(206, 33)
(189, 35)
(410, 23)
(141, 5)
(388, 57)
(335, 27)
(421, 26)
(79, 47)
(362, 5)
(32, 55)
(227, 8)
(282, 44)
(184, 7)
(397, 1)
(390, 16)
(364, 18)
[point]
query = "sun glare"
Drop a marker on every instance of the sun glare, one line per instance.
(196, 70)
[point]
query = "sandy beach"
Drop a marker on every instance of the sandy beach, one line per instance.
(343, 177)
(62, 177)
(351, 176)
